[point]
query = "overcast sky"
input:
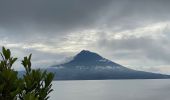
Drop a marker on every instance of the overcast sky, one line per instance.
(134, 33)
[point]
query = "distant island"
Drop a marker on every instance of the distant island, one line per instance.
(88, 65)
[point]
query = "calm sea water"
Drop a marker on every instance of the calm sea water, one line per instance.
(111, 90)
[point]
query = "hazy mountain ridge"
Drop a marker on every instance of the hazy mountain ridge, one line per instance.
(88, 65)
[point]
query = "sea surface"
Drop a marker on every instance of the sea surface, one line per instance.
(111, 90)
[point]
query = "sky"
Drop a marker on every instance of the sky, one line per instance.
(133, 33)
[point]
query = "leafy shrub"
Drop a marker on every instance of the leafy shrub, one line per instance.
(35, 84)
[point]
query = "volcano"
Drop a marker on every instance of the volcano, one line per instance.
(88, 65)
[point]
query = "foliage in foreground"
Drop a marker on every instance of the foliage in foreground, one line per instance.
(35, 84)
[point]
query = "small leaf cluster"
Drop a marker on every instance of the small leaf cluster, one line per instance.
(35, 84)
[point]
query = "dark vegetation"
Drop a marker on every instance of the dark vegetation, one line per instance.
(33, 85)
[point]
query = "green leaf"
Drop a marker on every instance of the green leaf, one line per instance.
(34, 85)
(29, 58)
(14, 60)
(6, 53)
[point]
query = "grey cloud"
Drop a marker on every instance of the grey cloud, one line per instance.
(49, 16)
(40, 59)
(130, 14)
(138, 48)
(60, 17)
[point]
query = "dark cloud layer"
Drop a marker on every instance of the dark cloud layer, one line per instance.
(129, 14)
(48, 16)
(62, 16)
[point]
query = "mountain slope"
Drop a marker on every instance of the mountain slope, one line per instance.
(90, 66)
